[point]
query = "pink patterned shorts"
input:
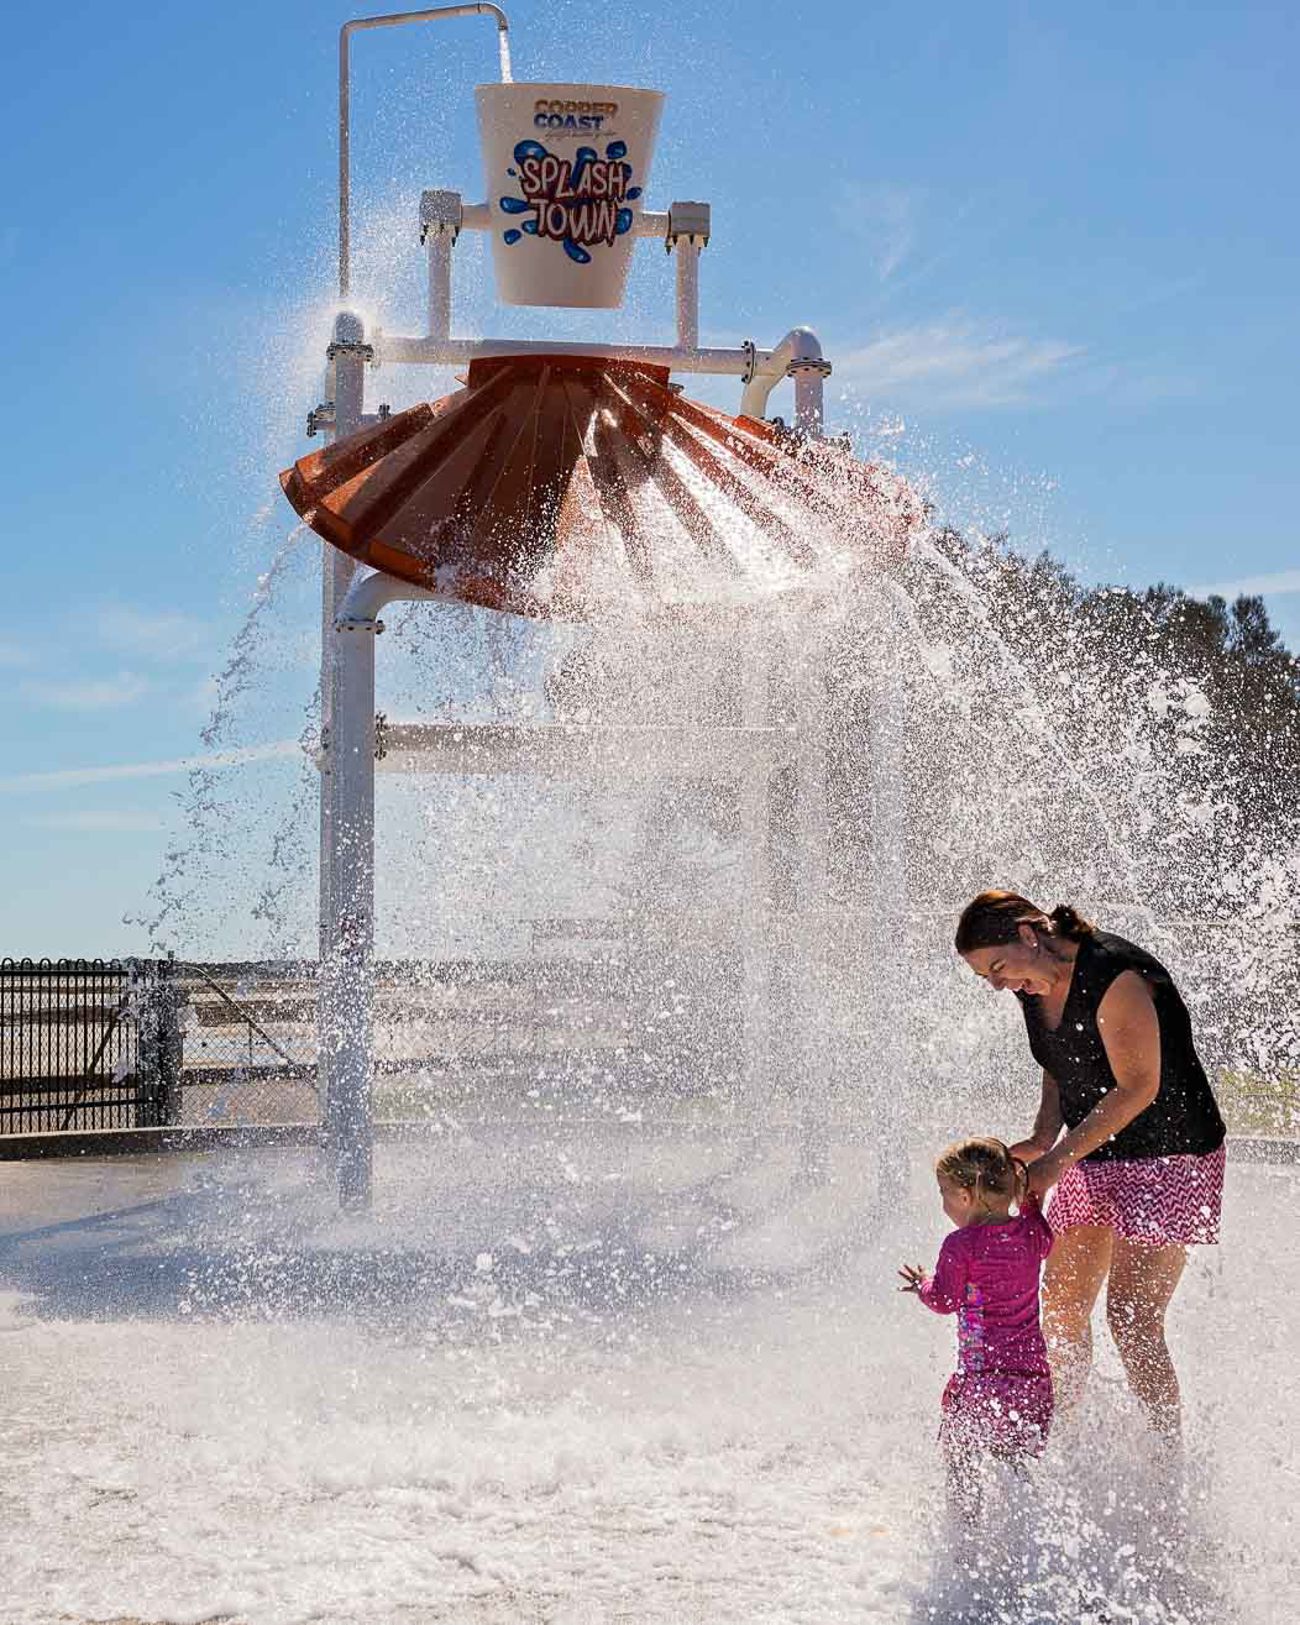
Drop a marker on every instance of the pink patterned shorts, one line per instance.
(1158, 1201)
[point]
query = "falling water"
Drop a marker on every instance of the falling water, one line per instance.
(194, 885)
(674, 1023)
(682, 1028)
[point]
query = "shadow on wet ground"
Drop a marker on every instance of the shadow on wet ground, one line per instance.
(501, 1230)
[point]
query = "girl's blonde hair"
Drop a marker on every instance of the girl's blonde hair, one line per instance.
(984, 1166)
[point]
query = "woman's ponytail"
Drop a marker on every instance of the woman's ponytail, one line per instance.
(1068, 922)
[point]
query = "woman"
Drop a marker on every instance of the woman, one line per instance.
(1138, 1169)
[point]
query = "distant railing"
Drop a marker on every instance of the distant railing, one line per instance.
(144, 1044)
(196, 1045)
(88, 1043)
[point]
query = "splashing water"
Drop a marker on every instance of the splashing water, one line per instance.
(197, 867)
(677, 1017)
(711, 1030)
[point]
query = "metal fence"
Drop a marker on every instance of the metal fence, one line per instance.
(87, 1043)
(248, 1036)
(90, 1044)
(130, 1044)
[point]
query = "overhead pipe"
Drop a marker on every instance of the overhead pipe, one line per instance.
(371, 593)
(478, 217)
(480, 8)
(392, 347)
(445, 214)
(798, 356)
(347, 968)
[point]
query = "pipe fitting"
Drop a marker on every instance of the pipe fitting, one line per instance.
(370, 593)
(441, 214)
(798, 356)
(689, 220)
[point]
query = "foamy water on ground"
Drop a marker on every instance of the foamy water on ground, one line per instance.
(663, 1382)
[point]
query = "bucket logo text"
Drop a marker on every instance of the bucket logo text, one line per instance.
(558, 115)
(578, 201)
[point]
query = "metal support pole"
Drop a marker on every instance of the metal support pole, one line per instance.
(347, 358)
(686, 234)
(688, 294)
(888, 943)
(812, 864)
(436, 14)
(441, 216)
(348, 901)
(755, 828)
(348, 971)
(439, 236)
(887, 781)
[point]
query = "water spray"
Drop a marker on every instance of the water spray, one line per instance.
(563, 481)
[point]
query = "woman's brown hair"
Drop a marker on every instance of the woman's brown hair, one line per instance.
(995, 917)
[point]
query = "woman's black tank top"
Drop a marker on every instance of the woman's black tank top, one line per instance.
(1184, 1117)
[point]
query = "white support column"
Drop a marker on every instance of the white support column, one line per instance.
(755, 827)
(438, 246)
(348, 969)
(887, 783)
(687, 236)
(887, 945)
(812, 866)
(809, 391)
(688, 294)
(441, 215)
(347, 356)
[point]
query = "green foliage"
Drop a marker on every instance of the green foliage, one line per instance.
(1221, 689)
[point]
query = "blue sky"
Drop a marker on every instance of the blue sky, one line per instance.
(1052, 252)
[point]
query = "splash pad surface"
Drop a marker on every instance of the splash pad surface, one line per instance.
(649, 1378)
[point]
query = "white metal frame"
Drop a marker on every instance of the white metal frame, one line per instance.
(684, 229)
(352, 602)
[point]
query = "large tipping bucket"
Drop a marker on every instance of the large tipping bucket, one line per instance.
(566, 168)
(580, 488)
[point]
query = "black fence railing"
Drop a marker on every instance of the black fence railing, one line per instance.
(88, 1043)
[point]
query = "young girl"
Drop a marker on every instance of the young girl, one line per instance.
(999, 1403)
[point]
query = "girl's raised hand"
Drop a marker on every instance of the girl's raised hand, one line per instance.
(913, 1278)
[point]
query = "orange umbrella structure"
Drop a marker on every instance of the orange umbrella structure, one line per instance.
(571, 486)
